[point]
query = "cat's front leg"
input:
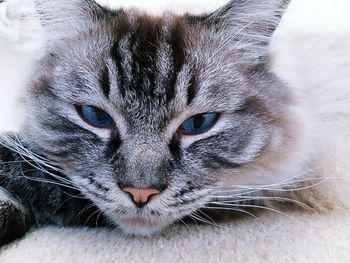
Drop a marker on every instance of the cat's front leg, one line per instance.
(13, 218)
(15, 215)
(34, 195)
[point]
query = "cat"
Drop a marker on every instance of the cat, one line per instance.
(138, 121)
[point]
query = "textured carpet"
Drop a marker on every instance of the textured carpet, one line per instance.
(311, 46)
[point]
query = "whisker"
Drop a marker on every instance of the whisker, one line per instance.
(235, 210)
(12, 162)
(19, 143)
(66, 201)
(203, 220)
(80, 196)
(256, 206)
(259, 198)
(304, 187)
(42, 169)
(207, 216)
(82, 211)
(18, 147)
(256, 189)
(44, 180)
(94, 213)
(60, 178)
(98, 217)
(164, 203)
(325, 179)
(265, 186)
(40, 180)
(183, 222)
(193, 219)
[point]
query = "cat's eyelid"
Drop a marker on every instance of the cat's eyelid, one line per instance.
(188, 140)
(119, 123)
(173, 127)
(176, 123)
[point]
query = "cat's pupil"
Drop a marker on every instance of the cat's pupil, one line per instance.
(100, 114)
(198, 121)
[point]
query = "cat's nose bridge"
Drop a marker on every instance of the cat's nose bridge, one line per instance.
(148, 161)
(147, 153)
(145, 166)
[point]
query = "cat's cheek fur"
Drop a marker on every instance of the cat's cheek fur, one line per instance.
(285, 159)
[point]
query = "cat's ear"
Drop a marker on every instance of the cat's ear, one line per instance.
(250, 24)
(62, 18)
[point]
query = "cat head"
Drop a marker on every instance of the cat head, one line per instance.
(183, 105)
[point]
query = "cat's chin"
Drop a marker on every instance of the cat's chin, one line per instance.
(140, 226)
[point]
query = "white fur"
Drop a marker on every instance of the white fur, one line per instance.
(313, 57)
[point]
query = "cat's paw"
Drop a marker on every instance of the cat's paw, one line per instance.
(13, 223)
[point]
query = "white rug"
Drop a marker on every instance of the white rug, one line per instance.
(311, 47)
(306, 238)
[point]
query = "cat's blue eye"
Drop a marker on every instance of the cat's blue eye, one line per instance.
(95, 116)
(199, 124)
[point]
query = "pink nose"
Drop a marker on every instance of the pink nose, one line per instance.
(141, 196)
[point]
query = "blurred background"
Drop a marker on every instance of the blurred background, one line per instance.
(311, 46)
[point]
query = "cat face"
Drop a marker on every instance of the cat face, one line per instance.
(182, 104)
